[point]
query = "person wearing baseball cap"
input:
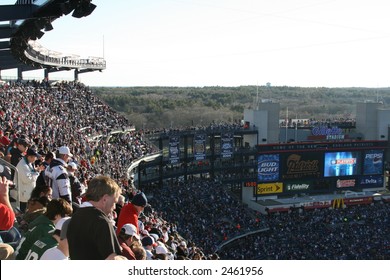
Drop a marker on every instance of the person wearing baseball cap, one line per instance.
(27, 177)
(128, 238)
(57, 175)
(130, 212)
(64, 150)
(149, 243)
(77, 189)
(17, 152)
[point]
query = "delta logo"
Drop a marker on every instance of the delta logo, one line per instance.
(371, 181)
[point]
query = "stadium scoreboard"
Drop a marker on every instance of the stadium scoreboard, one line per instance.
(285, 169)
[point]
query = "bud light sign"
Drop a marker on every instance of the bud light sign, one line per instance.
(268, 168)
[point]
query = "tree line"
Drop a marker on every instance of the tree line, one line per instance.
(158, 107)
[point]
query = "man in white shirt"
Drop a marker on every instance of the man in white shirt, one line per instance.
(57, 175)
(27, 177)
(61, 251)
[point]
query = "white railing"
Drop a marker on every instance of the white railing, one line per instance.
(38, 54)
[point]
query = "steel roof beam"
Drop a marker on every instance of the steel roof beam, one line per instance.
(17, 12)
(6, 32)
(5, 45)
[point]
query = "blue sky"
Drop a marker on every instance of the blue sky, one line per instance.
(331, 43)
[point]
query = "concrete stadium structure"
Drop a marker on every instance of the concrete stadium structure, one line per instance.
(262, 134)
(25, 22)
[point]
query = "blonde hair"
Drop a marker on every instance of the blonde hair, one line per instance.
(139, 252)
(100, 186)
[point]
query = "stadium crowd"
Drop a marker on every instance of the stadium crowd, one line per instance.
(190, 220)
(205, 212)
(69, 114)
(357, 233)
(217, 222)
(214, 126)
(310, 123)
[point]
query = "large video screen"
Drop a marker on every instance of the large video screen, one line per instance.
(341, 164)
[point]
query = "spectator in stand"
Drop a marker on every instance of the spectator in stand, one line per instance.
(61, 251)
(128, 238)
(139, 252)
(165, 235)
(27, 177)
(41, 178)
(47, 242)
(35, 208)
(17, 153)
(182, 249)
(131, 211)
(161, 252)
(58, 176)
(42, 226)
(7, 216)
(91, 235)
(148, 243)
(36, 205)
(118, 207)
(76, 187)
(8, 149)
(42, 190)
(4, 142)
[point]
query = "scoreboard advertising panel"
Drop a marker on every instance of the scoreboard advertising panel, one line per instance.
(302, 165)
(288, 172)
(307, 186)
(294, 187)
(268, 168)
(373, 162)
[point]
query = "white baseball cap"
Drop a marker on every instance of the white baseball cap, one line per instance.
(131, 230)
(64, 150)
(161, 249)
(73, 165)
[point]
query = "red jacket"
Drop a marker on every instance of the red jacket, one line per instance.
(128, 215)
(7, 217)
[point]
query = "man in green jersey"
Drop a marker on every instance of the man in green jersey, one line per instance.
(42, 245)
(42, 226)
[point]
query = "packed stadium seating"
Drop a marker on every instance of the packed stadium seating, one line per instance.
(203, 212)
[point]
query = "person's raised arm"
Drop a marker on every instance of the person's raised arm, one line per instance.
(7, 213)
(4, 192)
